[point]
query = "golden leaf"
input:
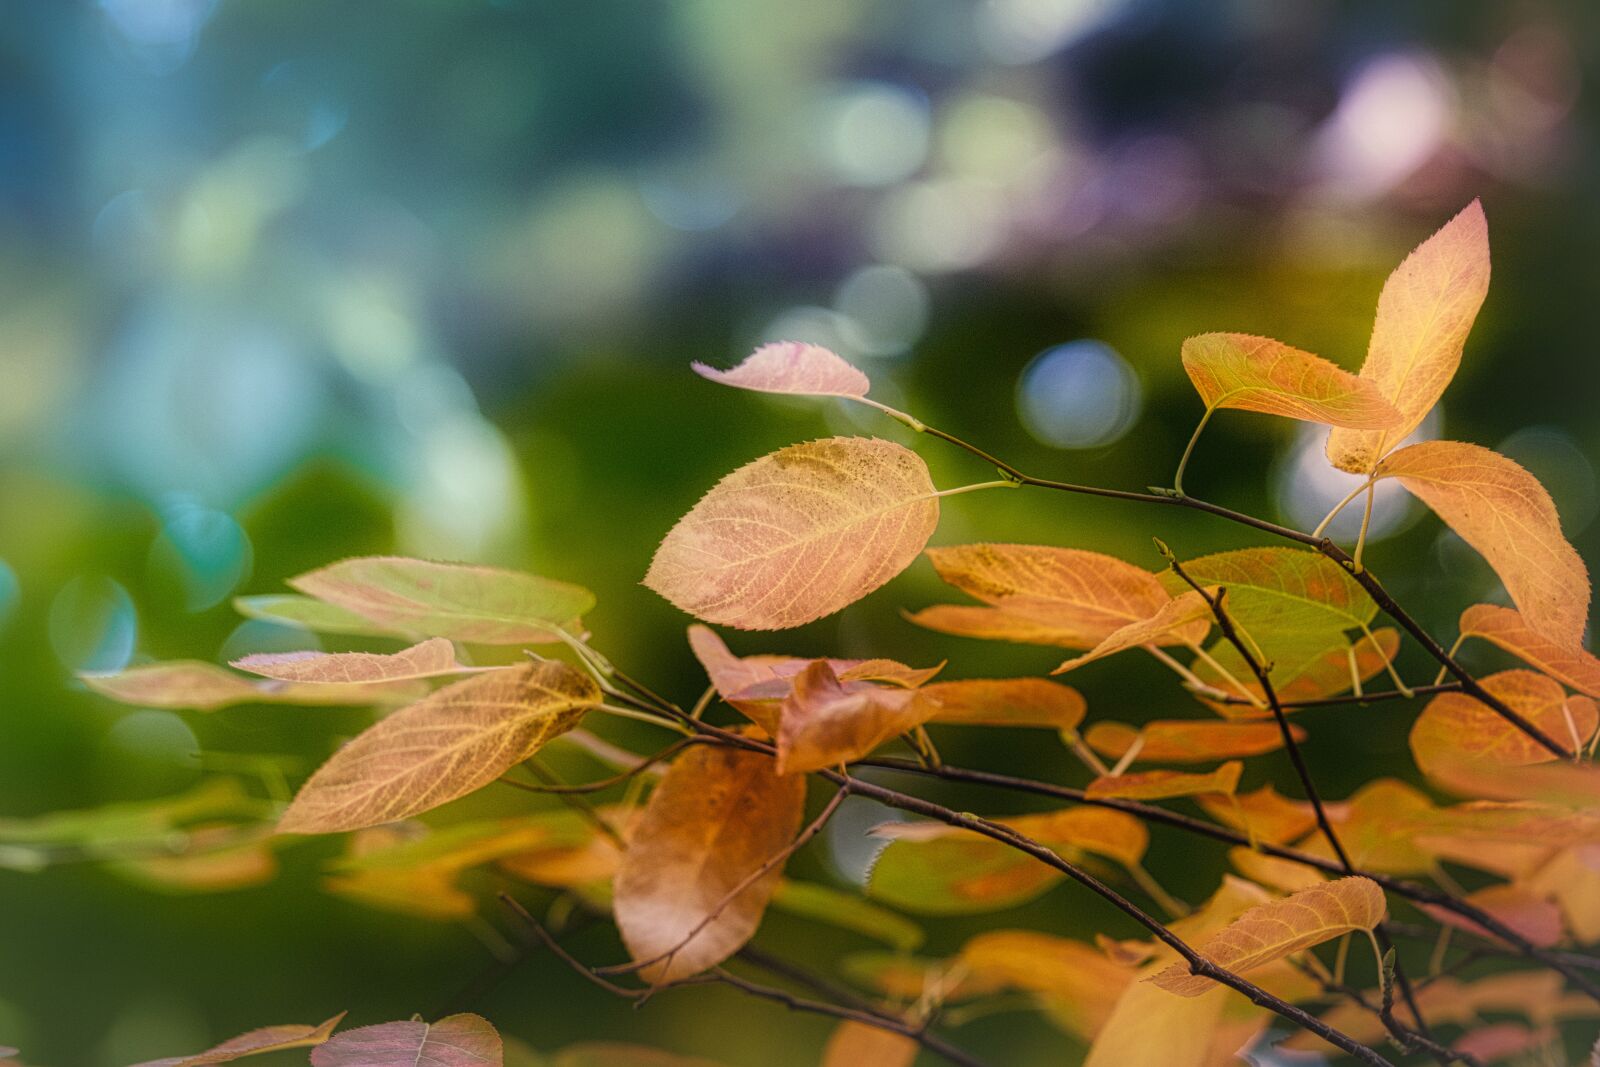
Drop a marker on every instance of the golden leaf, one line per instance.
(798, 534)
(1502, 511)
(995, 624)
(854, 1044)
(1005, 702)
(254, 1043)
(1425, 312)
(1186, 619)
(791, 367)
(1236, 370)
(1163, 785)
(1187, 740)
(446, 745)
(431, 658)
(1457, 727)
(1274, 871)
(1263, 814)
(1280, 928)
(717, 817)
(1572, 664)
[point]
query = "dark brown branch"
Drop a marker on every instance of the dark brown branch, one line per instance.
(1348, 698)
(1407, 1038)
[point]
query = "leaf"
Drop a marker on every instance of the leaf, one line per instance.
(1502, 511)
(798, 534)
(1073, 981)
(1236, 370)
(1284, 875)
(479, 605)
(1187, 740)
(717, 817)
(447, 745)
(1005, 702)
(1163, 785)
(1185, 619)
(1312, 672)
(902, 977)
(854, 1044)
(308, 613)
(1281, 928)
(1265, 815)
(1571, 878)
(429, 659)
(454, 1041)
(826, 722)
(1078, 598)
(1425, 311)
(1273, 592)
(1457, 727)
(617, 1054)
(1507, 628)
(102, 829)
(198, 686)
(1536, 919)
(1377, 827)
(994, 624)
(255, 1042)
(848, 912)
(792, 367)
(215, 859)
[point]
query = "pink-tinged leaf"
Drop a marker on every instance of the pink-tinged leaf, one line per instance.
(429, 659)
(798, 534)
(1187, 740)
(825, 722)
(856, 1044)
(1501, 510)
(1424, 315)
(1503, 1040)
(454, 1041)
(1575, 785)
(1185, 619)
(198, 686)
(1164, 785)
(1574, 665)
(1534, 918)
(1005, 702)
(254, 1043)
(1236, 370)
(1455, 727)
(792, 367)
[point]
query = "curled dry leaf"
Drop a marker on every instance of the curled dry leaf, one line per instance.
(429, 659)
(1456, 728)
(1077, 984)
(454, 1041)
(1005, 702)
(1164, 785)
(479, 605)
(1425, 312)
(854, 1044)
(255, 1043)
(1184, 619)
(1187, 740)
(1280, 928)
(1501, 510)
(791, 367)
(825, 722)
(447, 745)
(718, 817)
(798, 534)
(1505, 627)
(194, 685)
(1236, 370)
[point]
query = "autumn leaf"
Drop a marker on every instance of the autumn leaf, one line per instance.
(1278, 592)
(1164, 785)
(1186, 619)
(1425, 312)
(1005, 702)
(102, 829)
(214, 858)
(479, 605)
(899, 976)
(198, 686)
(994, 624)
(255, 1043)
(847, 911)
(1457, 727)
(1506, 628)
(1378, 826)
(717, 818)
(454, 1041)
(1186, 740)
(447, 745)
(1571, 878)
(1284, 875)
(1502, 511)
(429, 659)
(1265, 815)
(1075, 983)
(1536, 919)
(825, 722)
(798, 534)
(854, 1044)
(792, 367)
(1280, 928)
(1236, 370)
(1308, 669)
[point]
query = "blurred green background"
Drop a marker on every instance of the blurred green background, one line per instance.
(286, 281)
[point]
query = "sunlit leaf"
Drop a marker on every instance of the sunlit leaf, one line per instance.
(1187, 740)
(1378, 827)
(454, 1041)
(1162, 785)
(481, 605)
(1076, 983)
(825, 722)
(1574, 665)
(791, 367)
(198, 686)
(1185, 619)
(855, 1044)
(1276, 591)
(1501, 510)
(1005, 702)
(1236, 370)
(1425, 312)
(1279, 928)
(429, 659)
(309, 613)
(1264, 814)
(447, 745)
(1457, 727)
(255, 1043)
(848, 912)
(718, 817)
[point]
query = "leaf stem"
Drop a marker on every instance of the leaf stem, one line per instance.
(1194, 439)
(1340, 506)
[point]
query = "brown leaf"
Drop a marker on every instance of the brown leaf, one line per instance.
(792, 367)
(825, 722)
(454, 1041)
(1572, 664)
(1163, 785)
(1184, 619)
(1005, 702)
(717, 817)
(199, 686)
(447, 745)
(429, 659)
(855, 1044)
(1236, 370)
(1455, 727)
(1187, 740)
(1281, 928)
(1424, 314)
(1502, 511)
(798, 534)
(255, 1042)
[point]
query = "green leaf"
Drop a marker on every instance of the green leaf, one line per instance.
(1278, 593)
(289, 609)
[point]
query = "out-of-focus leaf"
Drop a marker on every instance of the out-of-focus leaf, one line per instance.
(1264, 814)
(798, 534)
(617, 1054)
(1246, 373)
(1378, 827)
(915, 978)
(480, 605)
(1005, 702)
(855, 1044)
(1281, 874)
(198, 686)
(1185, 619)
(1457, 727)
(1074, 982)
(255, 1043)
(1533, 917)
(445, 746)
(103, 829)
(215, 859)
(1187, 740)
(454, 1041)
(791, 367)
(429, 659)
(309, 613)
(1163, 785)
(1571, 878)
(847, 911)
(1505, 627)
(717, 818)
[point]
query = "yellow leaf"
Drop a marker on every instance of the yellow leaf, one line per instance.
(1378, 827)
(1571, 878)
(200, 686)
(1281, 928)
(1005, 702)
(1502, 511)
(1077, 984)
(429, 659)
(213, 859)
(1185, 619)
(254, 1043)
(447, 745)
(825, 722)
(854, 1044)
(1163, 785)
(1281, 874)
(1572, 664)
(1457, 727)
(1236, 370)
(1424, 315)
(1187, 740)
(798, 534)
(717, 817)
(791, 367)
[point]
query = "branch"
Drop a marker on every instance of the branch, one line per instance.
(1407, 1038)
(1348, 698)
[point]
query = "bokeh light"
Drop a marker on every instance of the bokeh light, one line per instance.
(1081, 394)
(93, 625)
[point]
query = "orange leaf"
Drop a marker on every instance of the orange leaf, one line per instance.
(1186, 740)
(1161, 785)
(717, 817)
(995, 624)
(254, 1043)
(791, 367)
(1076, 983)
(1457, 727)
(1424, 315)
(1506, 628)
(1185, 619)
(447, 745)
(798, 534)
(1502, 511)
(1236, 370)
(825, 722)
(1005, 702)
(1378, 826)
(854, 1044)
(1280, 928)
(432, 657)
(1274, 871)
(1264, 814)
(454, 1041)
